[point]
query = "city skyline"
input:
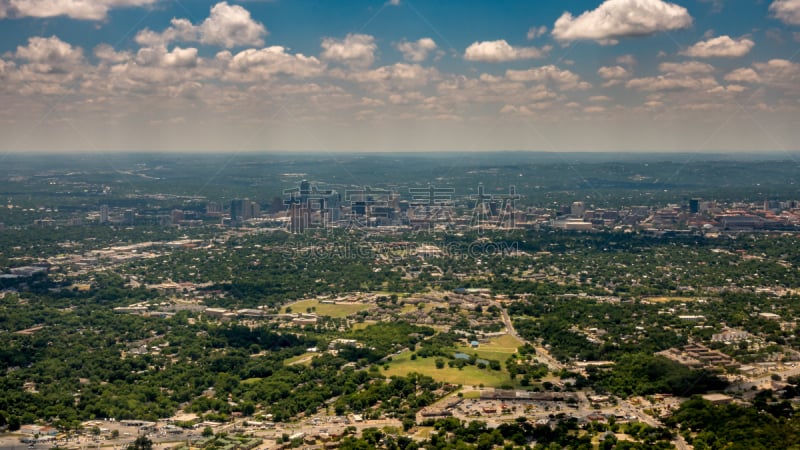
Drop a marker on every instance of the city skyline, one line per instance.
(377, 76)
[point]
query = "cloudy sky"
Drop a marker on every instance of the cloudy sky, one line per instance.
(399, 75)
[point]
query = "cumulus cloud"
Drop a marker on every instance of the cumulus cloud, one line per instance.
(106, 53)
(720, 47)
(158, 57)
(227, 26)
(355, 50)
(673, 82)
(780, 73)
(396, 76)
(613, 75)
(565, 79)
(230, 26)
(613, 72)
(686, 68)
(76, 9)
(417, 51)
(252, 64)
(788, 11)
(501, 51)
(615, 19)
(743, 75)
(50, 55)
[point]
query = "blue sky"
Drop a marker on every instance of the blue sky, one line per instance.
(357, 75)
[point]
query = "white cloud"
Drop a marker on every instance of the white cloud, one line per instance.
(107, 54)
(396, 76)
(252, 64)
(594, 109)
(227, 26)
(534, 32)
(50, 55)
(780, 73)
(355, 50)
(501, 51)
(417, 51)
(673, 82)
(230, 26)
(5, 67)
(743, 75)
(181, 58)
(787, 11)
(76, 9)
(686, 68)
(720, 47)
(184, 58)
(627, 60)
(621, 18)
(565, 79)
(613, 75)
(613, 72)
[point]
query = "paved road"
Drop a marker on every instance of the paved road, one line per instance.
(541, 353)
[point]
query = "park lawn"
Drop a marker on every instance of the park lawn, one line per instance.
(663, 299)
(427, 307)
(402, 365)
(499, 348)
(423, 432)
(304, 359)
(364, 324)
(336, 311)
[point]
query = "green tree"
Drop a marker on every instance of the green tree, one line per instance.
(141, 443)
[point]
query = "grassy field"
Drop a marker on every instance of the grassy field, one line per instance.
(499, 348)
(427, 307)
(304, 359)
(336, 311)
(670, 299)
(362, 325)
(402, 365)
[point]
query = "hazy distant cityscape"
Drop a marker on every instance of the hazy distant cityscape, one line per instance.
(399, 225)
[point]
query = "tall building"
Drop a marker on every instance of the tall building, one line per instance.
(242, 210)
(694, 205)
(213, 209)
(239, 211)
(578, 209)
(129, 217)
(103, 214)
(177, 216)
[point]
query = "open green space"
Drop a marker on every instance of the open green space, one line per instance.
(305, 359)
(336, 311)
(668, 299)
(499, 348)
(402, 365)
